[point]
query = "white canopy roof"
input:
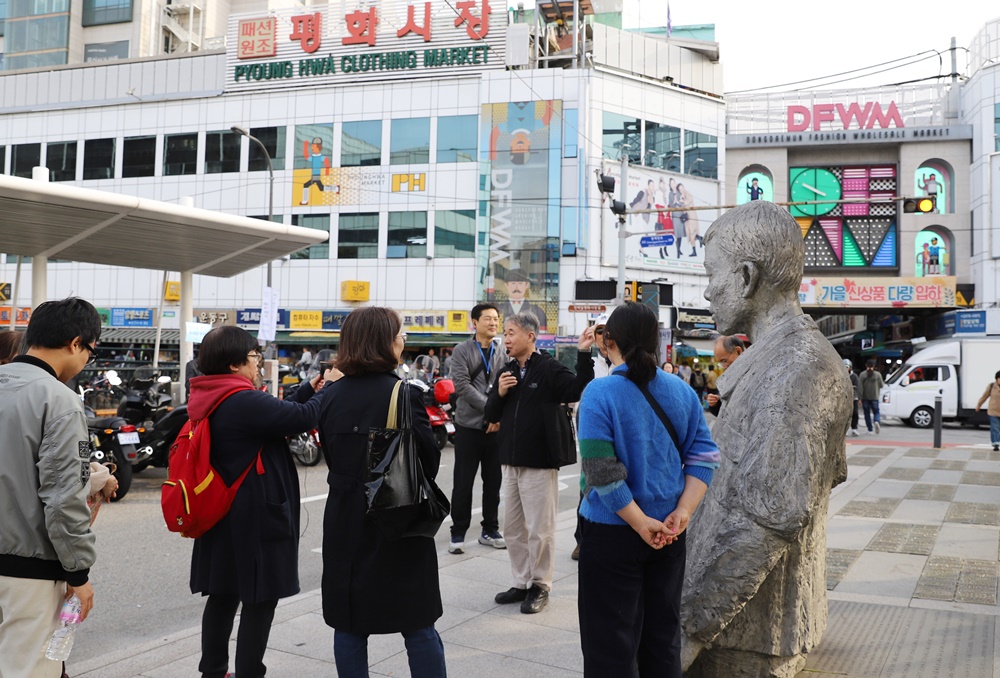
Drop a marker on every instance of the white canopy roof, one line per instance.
(81, 224)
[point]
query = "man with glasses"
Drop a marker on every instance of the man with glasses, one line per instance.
(474, 363)
(46, 545)
(727, 349)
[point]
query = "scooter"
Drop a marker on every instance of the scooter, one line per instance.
(441, 424)
(112, 439)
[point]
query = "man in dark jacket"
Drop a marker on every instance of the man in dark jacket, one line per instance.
(474, 363)
(871, 384)
(524, 395)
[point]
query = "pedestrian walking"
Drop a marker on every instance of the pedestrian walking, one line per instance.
(474, 363)
(46, 544)
(870, 383)
(992, 394)
(524, 399)
(856, 386)
(251, 556)
(646, 472)
(371, 584)
(699, 382)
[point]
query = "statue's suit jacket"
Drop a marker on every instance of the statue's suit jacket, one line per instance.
(756, 564)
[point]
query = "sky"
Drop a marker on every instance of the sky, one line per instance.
(771, 42)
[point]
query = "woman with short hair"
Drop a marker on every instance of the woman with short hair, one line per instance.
(250, 557)
(641, 489)
(372, 584)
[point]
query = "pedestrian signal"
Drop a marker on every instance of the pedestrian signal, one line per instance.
(920, 205)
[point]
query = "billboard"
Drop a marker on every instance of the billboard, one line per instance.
(522, 156)
(674, 241)
(866, 292)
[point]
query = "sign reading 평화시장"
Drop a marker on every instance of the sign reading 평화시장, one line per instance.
(389, 39)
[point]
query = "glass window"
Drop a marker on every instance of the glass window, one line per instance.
(454, 234)
(99, 159)
(620, 130)
(321, 222)
(663, 146)
(361, 143)
(139, 157)
(571, 132)
(407, 235)
(13, 62)
(754, 185)
(60, 158)
(409, 141)
(357, 236)
(933, 253)
(933, 179)
(273, 139)
(457, 138)
(96, 12)
(3, 159)
(701, 155)
(996, 127)
(35, 35)
(22, 8)
(3, 14)
(180, 154)
(222, 152)
(23, 157)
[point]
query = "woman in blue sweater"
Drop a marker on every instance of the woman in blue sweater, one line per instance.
(641, 489)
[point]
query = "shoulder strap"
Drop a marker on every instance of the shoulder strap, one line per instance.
(394, 406)
(479, 368)
(667, 424)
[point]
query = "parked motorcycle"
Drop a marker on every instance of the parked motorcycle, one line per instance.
(441, 424)
(145, 400)
(154, 450)
(305, 446)
(112, 439)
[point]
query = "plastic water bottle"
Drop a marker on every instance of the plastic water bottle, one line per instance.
(61, 642)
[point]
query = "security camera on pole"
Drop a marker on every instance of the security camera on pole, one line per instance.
(606, 185)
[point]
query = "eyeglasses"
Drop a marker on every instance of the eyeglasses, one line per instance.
(256, 356)
(403, 335)
(93, 352)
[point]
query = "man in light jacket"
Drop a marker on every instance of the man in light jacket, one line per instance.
(473, 364)
(46, 545)
(871, 385)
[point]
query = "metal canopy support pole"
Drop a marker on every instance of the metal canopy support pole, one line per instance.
(13, 293)
(622, 233)
(187, 314)
(39, 264)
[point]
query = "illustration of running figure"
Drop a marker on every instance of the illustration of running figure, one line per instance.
(320, 165)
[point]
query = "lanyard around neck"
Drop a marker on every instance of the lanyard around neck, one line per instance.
(487, 362)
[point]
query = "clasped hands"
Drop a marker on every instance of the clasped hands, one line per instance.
(658, 534)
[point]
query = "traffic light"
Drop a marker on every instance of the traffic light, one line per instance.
(606, 185)
(920, 205)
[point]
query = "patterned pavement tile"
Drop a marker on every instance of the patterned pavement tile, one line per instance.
(931, 492)
(896, 473)
(870, 507)
(922, 452)
(903, 538)
(877, 451)
(974, 514)
(948, 465)
(980, 478)
(838, 562)
(863, 460)
(958, 580)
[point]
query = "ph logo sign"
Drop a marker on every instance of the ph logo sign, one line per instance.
(409, 182)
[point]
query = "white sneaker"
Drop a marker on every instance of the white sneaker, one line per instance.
(456, 545)
(853, 433)
(493, 539)
(878, 429)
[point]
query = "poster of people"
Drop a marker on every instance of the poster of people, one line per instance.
(522, 149)
(671, 241)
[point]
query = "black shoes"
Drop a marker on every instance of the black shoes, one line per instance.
(511, 595)
(536, 601)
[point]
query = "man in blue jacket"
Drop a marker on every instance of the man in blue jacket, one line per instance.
(524, 399)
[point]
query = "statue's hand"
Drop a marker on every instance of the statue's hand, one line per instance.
(690, 648)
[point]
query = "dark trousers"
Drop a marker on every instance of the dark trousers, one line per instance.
(871, 409)
(629, 603)
(475, 451)
(854, 416)
(251, 639)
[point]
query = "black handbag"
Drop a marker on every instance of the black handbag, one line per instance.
(402, 500)
(560, 433)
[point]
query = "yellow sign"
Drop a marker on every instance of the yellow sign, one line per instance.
(409, 182)
(425, 321)
(458, 321)
(4, 291)
(355, 290)
(172, 291)
(305, 320)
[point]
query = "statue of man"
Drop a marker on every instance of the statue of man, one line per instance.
(754, 598)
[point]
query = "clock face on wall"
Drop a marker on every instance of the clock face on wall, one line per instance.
(813, 183)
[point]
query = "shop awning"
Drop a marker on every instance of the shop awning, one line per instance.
(702, 347)
(319, 338)
(139, 335)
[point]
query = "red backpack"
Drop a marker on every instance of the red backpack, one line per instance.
(195, 498)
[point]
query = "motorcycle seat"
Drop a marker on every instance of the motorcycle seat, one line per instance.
(104, 422)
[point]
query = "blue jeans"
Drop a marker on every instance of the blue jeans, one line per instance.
(995, 430)
(424, 651)
(870, 406)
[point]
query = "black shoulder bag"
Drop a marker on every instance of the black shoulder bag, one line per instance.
(667, 424)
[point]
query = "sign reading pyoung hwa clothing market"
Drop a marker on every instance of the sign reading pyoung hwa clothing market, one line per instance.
(388, 39)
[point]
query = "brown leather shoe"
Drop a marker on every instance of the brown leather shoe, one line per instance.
(576, 553)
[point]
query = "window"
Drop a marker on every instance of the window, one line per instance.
(357, 236)
(361, 143)
(273, 139)
(96, 12)
(99, 159)
(701, 155)
(571, 132)
(933, 249)
(663, 146)
(407, 235)
(139, 157)
(934, 179)
(23, 157)
(996, 127)
(410, 141)
(23, 8)
(3, 14)
(222, 152)
(927, 373)
(35, 35)
(620, 130)
(60, 158)
(13, 62)
(454, 234)
(321, 222)
(457, 138)
(3, 159)
(180, 154)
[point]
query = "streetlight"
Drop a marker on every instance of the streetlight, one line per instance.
(270, 169)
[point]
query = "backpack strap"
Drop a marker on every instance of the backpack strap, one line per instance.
(664, 419)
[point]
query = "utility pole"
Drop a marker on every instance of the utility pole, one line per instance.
(622, 233)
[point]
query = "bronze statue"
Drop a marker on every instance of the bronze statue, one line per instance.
(754, 599)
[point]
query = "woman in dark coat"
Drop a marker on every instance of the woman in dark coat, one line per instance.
(371, 584)
(251, 555)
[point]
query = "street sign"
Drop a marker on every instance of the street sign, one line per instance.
(4, 291)
(665, 240)
(587, 308)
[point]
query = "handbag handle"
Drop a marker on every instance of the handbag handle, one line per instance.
(393, 406)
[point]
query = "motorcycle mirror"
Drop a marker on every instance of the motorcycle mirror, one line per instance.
(163, 380)
(113, 378)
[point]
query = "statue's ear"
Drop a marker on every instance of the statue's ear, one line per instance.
(749, 277)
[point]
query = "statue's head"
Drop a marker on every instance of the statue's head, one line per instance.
(754, 256)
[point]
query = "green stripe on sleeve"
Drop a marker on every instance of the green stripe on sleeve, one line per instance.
(595, 449)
